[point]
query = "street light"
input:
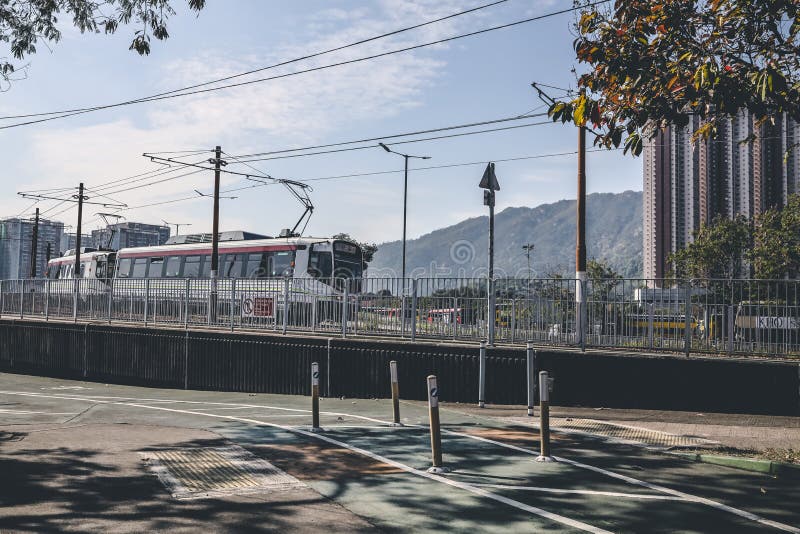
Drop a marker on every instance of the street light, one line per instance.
(528, 248)
(405, 196)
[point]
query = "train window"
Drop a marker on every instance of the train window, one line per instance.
(191, 267)
(139, 268)
(234, 264)
(320, 264)
(256, 266)
(124, 268)
(156, 269)
(206, 267)
(68, 271)
(282, 263)
(173, 267)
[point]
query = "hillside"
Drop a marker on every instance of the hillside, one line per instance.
(614, 234)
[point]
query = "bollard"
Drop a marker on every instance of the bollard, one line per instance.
(482, 376)
(530, 357)
(315, 397)
(395, 393)
(544, 413)
(436, 435)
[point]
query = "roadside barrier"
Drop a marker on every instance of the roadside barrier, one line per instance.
(395, 393)
(436, 435)
(315, 397)
(530, 373)
(544, 414)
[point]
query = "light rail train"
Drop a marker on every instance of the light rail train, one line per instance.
(325, 266)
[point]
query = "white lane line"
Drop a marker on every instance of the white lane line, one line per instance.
(25, 412)
(210, 403)
(456, 484)
(630, 480)
(584, 492)
(685, 496)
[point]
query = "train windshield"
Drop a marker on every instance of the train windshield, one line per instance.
(347, 260)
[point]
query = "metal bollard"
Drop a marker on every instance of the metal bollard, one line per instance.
(395, 393)
(544, 413)
(315, 397)
(530, 358)
(482, 376)
(436, 435)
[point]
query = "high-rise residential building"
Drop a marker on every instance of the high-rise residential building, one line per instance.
(16, 245)
(130, 234)
(687, 184)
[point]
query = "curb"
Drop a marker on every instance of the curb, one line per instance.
(767, 467)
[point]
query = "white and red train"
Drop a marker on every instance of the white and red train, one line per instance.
(317, 261)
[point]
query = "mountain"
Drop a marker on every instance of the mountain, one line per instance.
(614, 235)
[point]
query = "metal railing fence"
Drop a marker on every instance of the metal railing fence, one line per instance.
(717, 316)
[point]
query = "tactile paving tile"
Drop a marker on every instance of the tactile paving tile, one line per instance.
(629, 433)
(216, 471)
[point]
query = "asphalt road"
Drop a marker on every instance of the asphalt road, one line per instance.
(71, 458)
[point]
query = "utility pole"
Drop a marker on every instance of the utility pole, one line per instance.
(490, 184)
(218, 163)
(34, 243)
(580, 245)
(80, 198)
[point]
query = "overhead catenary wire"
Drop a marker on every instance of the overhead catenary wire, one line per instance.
(358, 175)
(182, 93)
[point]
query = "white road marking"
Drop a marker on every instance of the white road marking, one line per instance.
(461, 485)
(685, 496)
(584, 492)
(630, 480)
(25, 412)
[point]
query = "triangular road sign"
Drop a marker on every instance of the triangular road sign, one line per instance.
(489, 180)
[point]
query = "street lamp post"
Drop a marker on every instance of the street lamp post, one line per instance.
(405, 198)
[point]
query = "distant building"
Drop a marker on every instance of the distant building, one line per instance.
(69, 241)
(687, 185)
(16, 242)
(130, 234)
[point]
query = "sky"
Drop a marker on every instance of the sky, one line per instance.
(479, 78)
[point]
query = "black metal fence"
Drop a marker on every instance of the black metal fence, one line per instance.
(214, 360)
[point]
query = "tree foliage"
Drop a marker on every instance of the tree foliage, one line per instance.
(650, 63)
(603, 277)
(718, 251)
(776, 242)
(26, 23)
(368, 249)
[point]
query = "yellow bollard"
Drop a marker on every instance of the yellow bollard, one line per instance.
(436, 435)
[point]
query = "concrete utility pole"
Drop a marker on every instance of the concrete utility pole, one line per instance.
(34, 243)
(580, 245)
(80, 198)
(218, 163)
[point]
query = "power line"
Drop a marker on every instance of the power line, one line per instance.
(357, 175)
(185, 92)
(261, 69)
(393, 136)
(420, 140)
